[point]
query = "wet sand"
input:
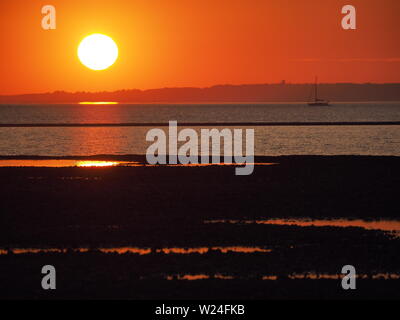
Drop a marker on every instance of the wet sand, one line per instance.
(55, 212)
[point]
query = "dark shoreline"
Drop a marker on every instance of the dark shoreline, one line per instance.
(315, 187)
(258, 159)
(273, 92)
(159, 207)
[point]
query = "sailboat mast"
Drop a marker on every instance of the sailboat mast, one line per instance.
(317, 102)
(316, 93)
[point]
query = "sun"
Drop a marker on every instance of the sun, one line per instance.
(97, 51)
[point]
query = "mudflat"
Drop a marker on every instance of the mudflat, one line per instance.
(190, 232)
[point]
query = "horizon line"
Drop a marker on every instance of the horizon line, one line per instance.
(283, 82)
(208, 124)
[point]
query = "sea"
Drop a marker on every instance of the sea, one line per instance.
(284, 232)
(290, 138)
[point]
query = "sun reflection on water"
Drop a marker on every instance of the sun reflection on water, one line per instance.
(98, 102)
(97, 163)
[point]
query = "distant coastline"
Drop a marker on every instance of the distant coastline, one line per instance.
(251, 93)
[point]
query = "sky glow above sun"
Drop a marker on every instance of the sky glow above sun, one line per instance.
(196, 44)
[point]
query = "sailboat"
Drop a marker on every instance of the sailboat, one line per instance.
(318, 102)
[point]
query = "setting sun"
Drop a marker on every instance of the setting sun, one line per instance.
(97, 51)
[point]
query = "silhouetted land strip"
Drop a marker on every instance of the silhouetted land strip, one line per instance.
(158, 207)
(223, 93)
(203, 124)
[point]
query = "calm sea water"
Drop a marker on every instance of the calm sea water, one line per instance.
(280, 140)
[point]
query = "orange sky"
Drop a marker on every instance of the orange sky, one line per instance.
(198, 43)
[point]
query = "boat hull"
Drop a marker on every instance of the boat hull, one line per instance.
(319, 104)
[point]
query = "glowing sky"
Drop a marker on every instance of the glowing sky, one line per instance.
(198, 43)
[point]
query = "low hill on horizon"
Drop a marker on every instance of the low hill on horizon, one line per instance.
(223, 93)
